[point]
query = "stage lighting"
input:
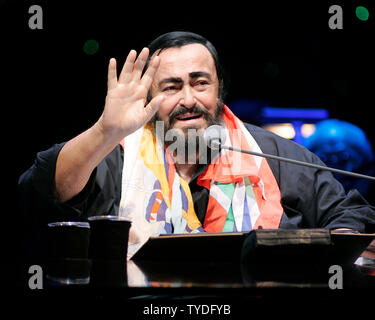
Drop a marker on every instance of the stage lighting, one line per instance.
(362, 13)
(91, 47)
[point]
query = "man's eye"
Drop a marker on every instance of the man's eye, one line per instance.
(201, 83)
(170, 88)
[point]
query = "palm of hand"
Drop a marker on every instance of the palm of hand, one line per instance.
(125, 110)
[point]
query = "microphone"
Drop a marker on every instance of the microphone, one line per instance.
(215, 137)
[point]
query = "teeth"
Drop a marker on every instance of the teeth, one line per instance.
(188, 118)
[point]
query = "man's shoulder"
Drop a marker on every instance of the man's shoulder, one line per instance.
(257, 131)
(49, 156)
(263, 136)
(272, 143)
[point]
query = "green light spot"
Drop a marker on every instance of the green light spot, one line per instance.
(362, 13)
(91, 47)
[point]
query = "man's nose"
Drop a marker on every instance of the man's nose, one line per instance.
(188, 100)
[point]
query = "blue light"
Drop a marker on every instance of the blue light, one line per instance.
(336, 136)
(269, 113)
(343, 145)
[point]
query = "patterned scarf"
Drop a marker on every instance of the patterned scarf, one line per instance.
(243, 191)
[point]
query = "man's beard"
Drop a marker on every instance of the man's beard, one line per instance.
(189, 139)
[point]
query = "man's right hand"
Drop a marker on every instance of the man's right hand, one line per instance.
(125, 108)
(124, 112)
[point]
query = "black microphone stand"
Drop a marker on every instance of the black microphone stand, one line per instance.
(297, 162)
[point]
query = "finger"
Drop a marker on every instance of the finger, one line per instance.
(112, 74)
(148, 77)
(153, 107)
(140, 64)
(128, 67)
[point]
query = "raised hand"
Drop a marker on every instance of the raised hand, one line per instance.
(125, 109)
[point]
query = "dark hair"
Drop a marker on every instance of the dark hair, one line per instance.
(182, 38)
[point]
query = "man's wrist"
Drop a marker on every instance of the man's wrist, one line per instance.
(107, 138)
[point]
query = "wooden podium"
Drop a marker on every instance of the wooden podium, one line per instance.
(258, 246)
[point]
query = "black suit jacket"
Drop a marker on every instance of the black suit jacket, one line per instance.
(311, 198)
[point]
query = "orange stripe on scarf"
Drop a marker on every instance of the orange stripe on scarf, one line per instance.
(226, 170)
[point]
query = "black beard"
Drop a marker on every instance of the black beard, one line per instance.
(179, 111)
(191, 143)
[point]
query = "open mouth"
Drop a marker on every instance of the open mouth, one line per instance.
(189, 116)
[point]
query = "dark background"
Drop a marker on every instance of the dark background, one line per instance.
(52, 90)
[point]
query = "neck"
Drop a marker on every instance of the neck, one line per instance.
(186, 170)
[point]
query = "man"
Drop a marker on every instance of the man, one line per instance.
(125, 164)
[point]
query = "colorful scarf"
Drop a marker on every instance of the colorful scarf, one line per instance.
(244, 194)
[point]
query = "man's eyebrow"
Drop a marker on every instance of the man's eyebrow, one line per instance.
(197, 74)
(170, 80)
(192, 75)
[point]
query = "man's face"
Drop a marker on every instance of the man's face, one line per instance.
(187, 78)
